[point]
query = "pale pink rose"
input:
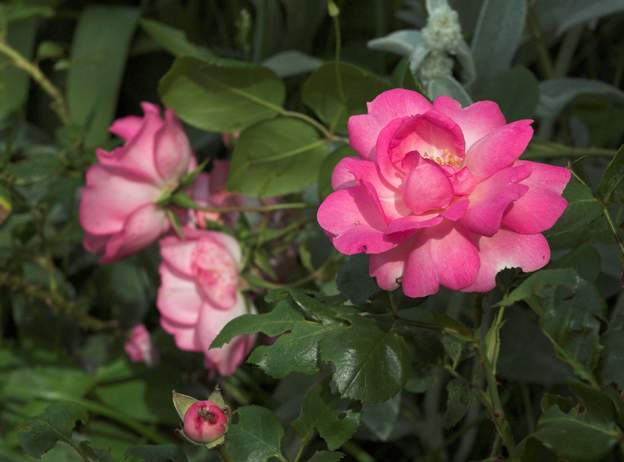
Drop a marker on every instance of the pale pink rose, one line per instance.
(118, 208)
(139, 346)
(199, 295)
(438, 196)
(209, 190)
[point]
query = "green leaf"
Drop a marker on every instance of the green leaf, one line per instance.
(173, 40)
(98, 57)
(296, 351)
(56, 423)
(354, 281)
(336, 91)
(322, 413)
(556, 94)
(326, 456)
(369, 364)
(492, 340)
(220, 95)
(516, 91)
(459, 398)
(327, 169)
(569, 308)
(13, 81)
(611, 185)
(284, 154)
(497, 36)
(381, 418)
(155, 453)
(282, 318)
(531, 450)
(575, 437)
(612, 358)
(447, 86)
(6, 207)
(254, 435)
(34, 169)
(577, 221)
(560, 15)
(292, 62)
(181, 403)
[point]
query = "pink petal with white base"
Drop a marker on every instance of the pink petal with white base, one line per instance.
(126, 128)
(507, 249)
(142, 228)
(427, 187)
(354, 219)
(388, 267)
(179, 299)
(108, 199)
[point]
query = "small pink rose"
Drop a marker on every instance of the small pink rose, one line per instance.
(118, 209)
(199, 295)
(205, 422)
(438, 195)
(139, 346)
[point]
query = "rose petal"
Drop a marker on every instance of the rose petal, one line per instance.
(108, 199)
(172, 149)
(427, 187)
(142, 227)
(476, 121)
(126, 128)
(491, 198)
(389, 105)
(499, 149)
(179, 299)
(507, 249)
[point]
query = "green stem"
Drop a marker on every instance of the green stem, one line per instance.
(566, 52)
(55, 302)
(259, 208)
(357, 452)
(497, 412)
(58, 102)
(539, 150)
(543, 57)
(528, 407)
(225, 456)
(315, 123)
(616, 235)
(99, 409)
(302, 446)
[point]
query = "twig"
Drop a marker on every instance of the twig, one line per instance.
(58, 102)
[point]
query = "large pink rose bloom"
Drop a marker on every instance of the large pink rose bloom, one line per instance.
(438, 195)
(118, 208)
(199, 295)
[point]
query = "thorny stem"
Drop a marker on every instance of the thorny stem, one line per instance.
(55, 302)
(58, 102)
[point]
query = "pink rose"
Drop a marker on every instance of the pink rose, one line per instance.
(438, 195)
(199, 295)
(139, 346)
(118, 208)
(209, 190)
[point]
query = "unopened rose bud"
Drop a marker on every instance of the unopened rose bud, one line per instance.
(205, 422)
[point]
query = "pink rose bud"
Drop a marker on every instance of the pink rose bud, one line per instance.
(118, 206)
(439, 196)
(205, 422)
(139, 346)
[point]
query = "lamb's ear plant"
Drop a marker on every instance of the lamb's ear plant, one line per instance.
(338, 230)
